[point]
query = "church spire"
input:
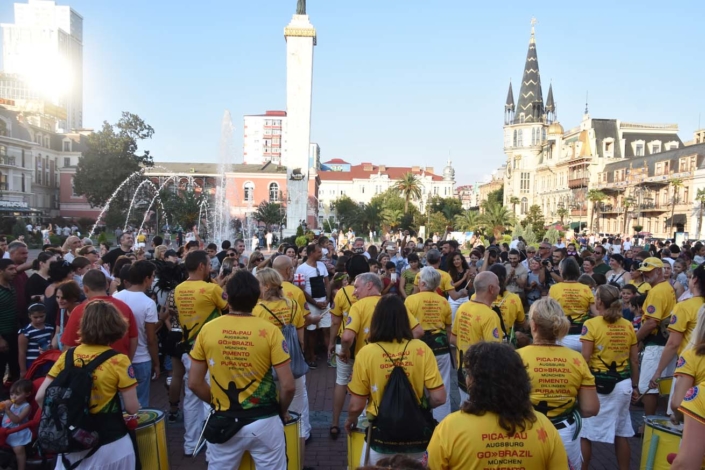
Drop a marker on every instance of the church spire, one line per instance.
(530, 107)
(509, 106)
(550, 106)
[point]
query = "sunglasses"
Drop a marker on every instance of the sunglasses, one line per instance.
(232, 255)
(92, 252)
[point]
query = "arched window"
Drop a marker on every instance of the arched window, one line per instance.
(249, 191)
(515, 137)
(273, 192)
(524, 205)
(520, 141)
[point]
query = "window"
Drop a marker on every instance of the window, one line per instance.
(249, 191)
(686, 164)
(662, 168)
(3, 182)
(23, 162)
(656, 147)
(520, 135)
(686, 190)
(516, 133)
(524, 205)
(273, 192)
(362, 189)
(67, 146)
(3, 151)
(435, 190)
(38, 171)
(73, 188)
(67, 161)
(609, 149)
(522, 117)
(639, 150)
(524, 183)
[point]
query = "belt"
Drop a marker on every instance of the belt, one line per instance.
(565, 423)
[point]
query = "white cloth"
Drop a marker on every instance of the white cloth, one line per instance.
(263, 439)
(69, 257)
(376, 457)
(118, 455)
(649, 364)
(316, 312)
(145, 311)
(572, 447)
(308, 272)
(613, 418)
(299, 404)
(445, 369)
(572, 342)
(195, 412)
(455, 304)
(343, 373)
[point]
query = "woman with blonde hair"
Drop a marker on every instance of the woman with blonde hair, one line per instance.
(546, 359)
(610, 348)
(70, 247)
(159, 252)
(690, 368)
(280, 311)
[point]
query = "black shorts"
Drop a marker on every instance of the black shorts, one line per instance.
(172, 345)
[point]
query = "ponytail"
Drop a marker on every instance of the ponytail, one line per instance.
(609, 296)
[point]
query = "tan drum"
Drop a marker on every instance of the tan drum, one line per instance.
(660, 439)
(151, 439)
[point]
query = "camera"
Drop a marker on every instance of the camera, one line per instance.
(546, 262)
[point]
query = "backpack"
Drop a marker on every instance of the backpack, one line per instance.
(403, 424)
(299, 367)
(66, 424)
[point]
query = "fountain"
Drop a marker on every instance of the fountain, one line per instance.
(221, 215)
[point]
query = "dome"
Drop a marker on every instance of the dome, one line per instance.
(555, 128)
(448, 171)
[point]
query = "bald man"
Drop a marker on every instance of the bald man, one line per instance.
(475, 321)
(285, 267)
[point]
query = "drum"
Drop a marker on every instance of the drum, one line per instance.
(356, 441)
(664, 386)
(151, 439)
(293, 450)
(660, 439)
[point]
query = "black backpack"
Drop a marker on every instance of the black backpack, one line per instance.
(66, 424)
(402, 424)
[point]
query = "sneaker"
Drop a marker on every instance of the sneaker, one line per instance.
(332, 362)
(173, 416)
(312, 365)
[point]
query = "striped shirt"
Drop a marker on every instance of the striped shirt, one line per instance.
(8, 310)
(35, 339)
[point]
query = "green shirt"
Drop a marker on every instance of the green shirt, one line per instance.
(603, 269)
(8, 310)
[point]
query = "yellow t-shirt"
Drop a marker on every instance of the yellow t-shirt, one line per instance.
(575, 299)
(240, 352)
(471, 442)
(643, 287)
(360, 318)
(613, 342)
(692, 365)
(474, 322)
(511, 307)
(343, 301)
(372, 369)
(430, 309)
(446, 281)
(693, 403)
(557, 373)
(115, 374)
(198, 302)
(295, 294)
(285, 310)
(684, 317)
(658, 305)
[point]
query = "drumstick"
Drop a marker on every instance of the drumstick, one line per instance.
(642, 395)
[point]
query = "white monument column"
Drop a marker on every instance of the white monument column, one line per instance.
(300, 38)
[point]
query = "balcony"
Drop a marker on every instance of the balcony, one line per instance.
(8, 161)
(610, 209)
(651, 207)
(578, 212)
(576, 183)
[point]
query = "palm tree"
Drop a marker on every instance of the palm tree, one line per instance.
(391, 217)
(562, 212)
(410, 188)
(269, 213)
(700, 197)
(497, 218)
(514, 201)
(596, 197)
(676, 183)
(468, 221)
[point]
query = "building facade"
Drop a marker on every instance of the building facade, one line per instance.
(43, 58)
(265, 138)
(468, 195)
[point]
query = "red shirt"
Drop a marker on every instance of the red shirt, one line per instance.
(70, 336)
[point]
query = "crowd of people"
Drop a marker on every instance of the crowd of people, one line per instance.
(235, 335)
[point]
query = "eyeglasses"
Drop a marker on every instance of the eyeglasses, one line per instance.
(92, 252)
(232, 255)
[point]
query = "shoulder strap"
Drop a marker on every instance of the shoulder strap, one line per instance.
(390, 357)
(346, 296)
(272, 314)
(501, 320)
(101, 358)
(68, 359)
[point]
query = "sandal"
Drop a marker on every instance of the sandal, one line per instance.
(334, 432)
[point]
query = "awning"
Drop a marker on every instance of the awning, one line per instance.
(678, 219)
(574, 225)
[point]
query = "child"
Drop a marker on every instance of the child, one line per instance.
(636, 304)
(628, 291)
(17, 412)
(34, 338)
(390, 279)
(374, 266)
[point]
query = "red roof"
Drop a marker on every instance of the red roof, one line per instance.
(365, 170)
(336, 160)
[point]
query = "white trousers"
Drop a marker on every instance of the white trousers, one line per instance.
(376, 456)
(572, 342)
(263, 439)
(454, 304)
(299, 405)
(118, 455)
(195, 412)
(444, 367)
(572, 446)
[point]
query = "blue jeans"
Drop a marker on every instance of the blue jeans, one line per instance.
(143, 374)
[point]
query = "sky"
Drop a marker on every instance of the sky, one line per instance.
(395, 82)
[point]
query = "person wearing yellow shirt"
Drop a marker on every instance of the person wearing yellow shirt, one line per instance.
(497, 423)
(434, 314)
(357, 326)
(508, 304)
(576, 300)
(475, 321)
(238, 351)
(392, 343)
(433, 259)
(610, 348)
(198, 302)
(691, 454)
(690, 367)
(561, 382)
(285, 267)
(658, 306)
(101, 325)
(682, 323)
(342, 303)
(275, 308)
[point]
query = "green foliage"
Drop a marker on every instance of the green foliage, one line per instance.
(348, 211)
(496, 196)
(562, 213)
(392, 217)
(269, 213)
(329, 224)
(110, 158)
(301, 241)
(409, 186)
(55, 240)
(299, 231)
(449, 206)
(102, 238)
(496, 218)
(552, 234)
(528, 234)
(183, 207)
(534, 217)
(467, 221)
(506, 238)
(437, 223)
(20, 228)
(85, 224)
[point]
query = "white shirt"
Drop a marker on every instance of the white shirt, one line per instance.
(308, 272)
(145, 311)
(513, 244)
(627, 246)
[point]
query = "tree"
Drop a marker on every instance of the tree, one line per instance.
(596, 197)
(514, 201)
(552, 234)
(392, 217)
(534, 218)
(110, 159)
(496, 218)
(347, 211)
(449, 206)
(529, 236)
(496, 196)
(410, 188)
(390, 199)
(468, 221)
(183, 207)
(437, 223)
(700, 197)
(562, 212)
(676, 183)
(269, 213)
